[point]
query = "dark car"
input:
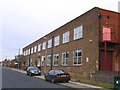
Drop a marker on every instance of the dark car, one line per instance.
(33, 71)
(57, 76)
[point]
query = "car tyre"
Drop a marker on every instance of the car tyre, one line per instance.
(30, 74)
(53, 80)
(67, 81)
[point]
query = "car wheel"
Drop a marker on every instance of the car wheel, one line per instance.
(53, 81)
(30, 74)
(67, 81)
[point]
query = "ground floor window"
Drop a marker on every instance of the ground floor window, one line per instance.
(65, 58)
(42, 61)
(48, 60)
(55, 61)
(77, 57)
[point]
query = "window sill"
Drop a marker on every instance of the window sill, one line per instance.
(77, 64)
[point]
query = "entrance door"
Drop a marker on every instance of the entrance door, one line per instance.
(106, 66)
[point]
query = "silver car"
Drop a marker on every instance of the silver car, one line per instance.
(33, 71)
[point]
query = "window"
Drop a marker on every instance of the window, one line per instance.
(56, 40)
(43, 59)
(48, 60)
(66, 37)
(65, 58)
(44, 46)
(31, 50)
(35, 48)
(39, 47)
(78, 32)
(50, 43)
(24, 53)
(28, 51)
(56, 57)
(77, 57)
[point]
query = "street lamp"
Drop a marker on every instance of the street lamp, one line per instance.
(45, 67)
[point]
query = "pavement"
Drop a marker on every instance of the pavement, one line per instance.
(71, 84)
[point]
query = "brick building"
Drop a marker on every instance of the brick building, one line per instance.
(80, 46)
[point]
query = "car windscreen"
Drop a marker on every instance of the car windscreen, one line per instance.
(59, 72)
(34, 68)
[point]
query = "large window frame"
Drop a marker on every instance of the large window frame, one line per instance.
(57, 40)
(66, 37)
(35, 48)
(56, 59)
(78, 32)
(31, 50)
(50, 43)
(48, 60)
(44, 46)
(42, 60)
(39, 47)
(77, 57)
(65, 56)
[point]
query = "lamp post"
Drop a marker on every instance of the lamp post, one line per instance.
(45, 67)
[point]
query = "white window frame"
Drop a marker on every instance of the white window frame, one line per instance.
(31, 50)
(50, 43)
(66, 36)
(56, 59)
(77, 58)
(48, 60)
(24, 53)
(78, 32)
(44, 46)
(35, 48)
(56, 40)
(65, 58)
(39, 47)
(42, 60)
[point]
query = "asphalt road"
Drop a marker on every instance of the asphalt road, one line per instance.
(14, 79)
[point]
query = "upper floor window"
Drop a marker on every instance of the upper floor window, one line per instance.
(66, 37)
(24, 53)
(56, 40)
(78, 32)
(77, 57)
(44, 46)
(35, 48)
(48, 60)
(31, 50)
(55, 60)
(65, 58)
(28, 51)
(39, 47)
(50, 43)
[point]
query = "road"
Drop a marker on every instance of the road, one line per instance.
(15, 79)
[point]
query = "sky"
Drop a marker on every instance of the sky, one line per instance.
(24, 21)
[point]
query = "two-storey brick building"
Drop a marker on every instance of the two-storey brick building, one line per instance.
(80, 46)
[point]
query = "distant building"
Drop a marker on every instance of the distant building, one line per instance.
(83, 46)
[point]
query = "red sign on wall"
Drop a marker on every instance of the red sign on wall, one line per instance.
(106, 34)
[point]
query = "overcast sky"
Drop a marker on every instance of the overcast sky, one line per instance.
(24, 21)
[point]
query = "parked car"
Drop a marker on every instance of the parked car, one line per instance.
(57, 75)
(33, 71)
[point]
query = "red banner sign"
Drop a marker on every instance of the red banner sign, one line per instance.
(106, 34)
